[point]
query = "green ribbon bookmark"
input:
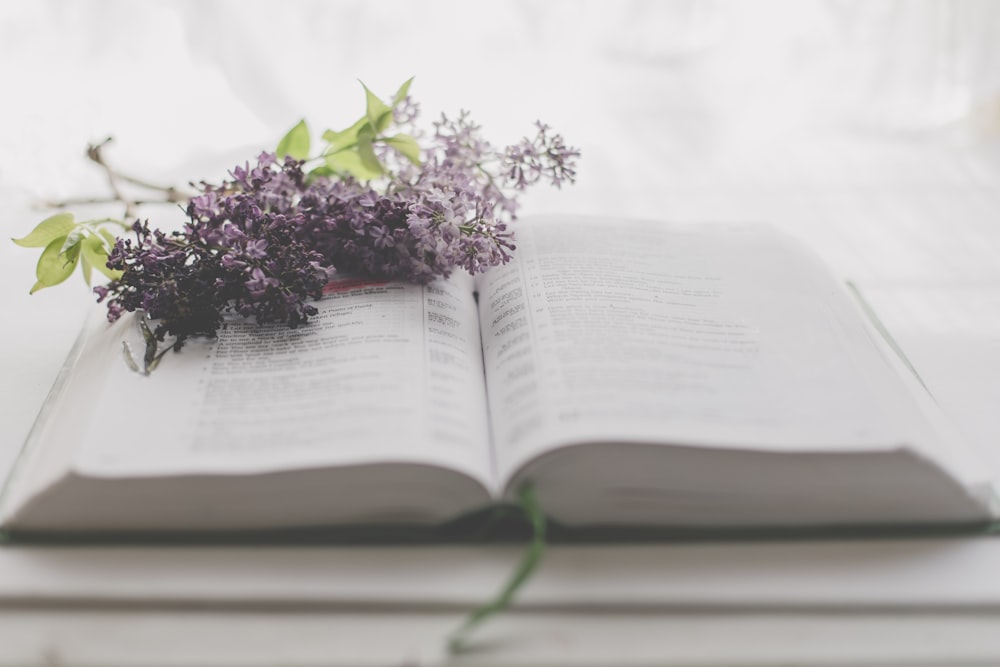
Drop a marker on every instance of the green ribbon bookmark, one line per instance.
(458, 640)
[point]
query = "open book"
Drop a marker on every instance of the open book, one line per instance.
(635, 373)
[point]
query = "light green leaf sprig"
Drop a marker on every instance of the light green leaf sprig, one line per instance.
(295, 143)
(351, 152)
(67, 244)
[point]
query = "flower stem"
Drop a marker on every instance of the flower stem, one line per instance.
(171, 194)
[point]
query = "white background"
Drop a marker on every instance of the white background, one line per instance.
(869, 128)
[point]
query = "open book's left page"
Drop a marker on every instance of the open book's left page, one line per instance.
(386, 378)
(383, 372)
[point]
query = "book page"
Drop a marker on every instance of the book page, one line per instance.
(385, 372)
(724, 336)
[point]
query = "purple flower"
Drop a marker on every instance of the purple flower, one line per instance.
(257, 249)
(265, 243)
(543, 156)
(259, 282)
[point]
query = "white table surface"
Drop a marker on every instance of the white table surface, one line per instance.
(735, 117)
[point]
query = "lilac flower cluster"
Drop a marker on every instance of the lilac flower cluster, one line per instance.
(414, 232)
(265, 243)
(233, 256)
(544, 156)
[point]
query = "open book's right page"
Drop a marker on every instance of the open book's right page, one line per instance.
(729, 337)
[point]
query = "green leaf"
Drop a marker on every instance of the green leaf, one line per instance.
(295, 143)
(49, 229)
(321, 170)
(366, 151)
(129, 359)
(109, 238)
(72, 253)
(74, 238)
(349, 162)
(86, 267)
(54, 266)
(154, 362)
(147, 334)
(401, 94)
(407, 146)
(378, 114)
(95, 254)
(339, 141)
(149, 358)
